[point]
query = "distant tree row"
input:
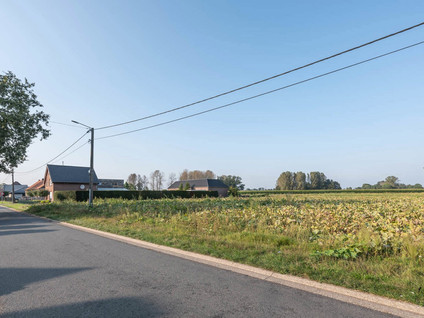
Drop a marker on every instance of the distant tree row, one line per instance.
(157, 179)
(137, 182)
(231, 181)
(314, 180)
(196, 174)
(391, 182)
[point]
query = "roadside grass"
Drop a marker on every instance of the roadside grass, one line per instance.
(17, 206)
(369, 242)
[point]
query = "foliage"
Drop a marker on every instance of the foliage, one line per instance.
(391, 182)
(38, 193)
(232, 181)
(196, 174)
(129, 186)
(43, 193)
(142, 183)
(187, 186)
(156, 180)
(82, 196)
(297, 181)
(19, 123)
(233, 191)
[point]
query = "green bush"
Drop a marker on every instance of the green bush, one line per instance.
(82, 196)
(65, 195)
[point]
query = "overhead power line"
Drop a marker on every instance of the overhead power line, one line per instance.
(75, 150)
(265, 93)
(266, 79)
(63, 124)
(75, 142)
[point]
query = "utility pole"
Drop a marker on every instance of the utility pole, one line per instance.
(90, 194)
(90, 190)
(13, 186)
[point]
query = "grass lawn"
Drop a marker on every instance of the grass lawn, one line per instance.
(369, 242)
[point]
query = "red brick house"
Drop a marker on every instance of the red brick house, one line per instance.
(39, 185)
(202, 185)
(65, 178)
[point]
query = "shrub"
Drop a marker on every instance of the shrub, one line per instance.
(82, 196)
(43, 193)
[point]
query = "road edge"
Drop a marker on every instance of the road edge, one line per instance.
(374, 302)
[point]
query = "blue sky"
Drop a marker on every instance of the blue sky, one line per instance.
(103, 62)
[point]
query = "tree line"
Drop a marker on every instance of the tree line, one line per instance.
(156, 180)
(314, 180)
(391, 182)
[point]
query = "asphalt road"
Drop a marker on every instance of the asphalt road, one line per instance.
(48, 270)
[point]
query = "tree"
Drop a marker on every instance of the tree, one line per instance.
(132, 181)
(232, 181)
(285, 181)
(300, 180)
(156, 180)
(142, 183)
(317, 180)
(187, 186)
(196, 174)
(129, 186)
(172, 178)
(19, 122)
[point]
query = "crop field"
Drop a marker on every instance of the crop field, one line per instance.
(368, 241)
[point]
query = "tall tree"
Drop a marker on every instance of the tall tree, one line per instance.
(317, 180)
(20, 121)
(132, 181)
(171, 179)
(196, 174)
(285, 181)
(142, 183)
(156, 180)
(232, 181)
(300, 180)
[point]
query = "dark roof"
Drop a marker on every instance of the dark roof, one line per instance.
(70, 174)
(200, 183)
(19, 189)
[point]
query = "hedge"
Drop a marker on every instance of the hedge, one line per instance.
(330, 191)
(81, 196)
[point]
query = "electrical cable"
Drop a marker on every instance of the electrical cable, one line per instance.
(266, 79)
(69, 125)
(88, 141)
(265, 93)
(23, 172)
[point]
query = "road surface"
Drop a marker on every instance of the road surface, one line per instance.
(48, 270)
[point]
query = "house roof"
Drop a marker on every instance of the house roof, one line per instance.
(36, 186)
(70, 174)
(199, 183)
(19, 189)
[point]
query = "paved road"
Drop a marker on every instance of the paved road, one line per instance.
(48, 270)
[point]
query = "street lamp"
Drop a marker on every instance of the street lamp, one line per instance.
(90, 190)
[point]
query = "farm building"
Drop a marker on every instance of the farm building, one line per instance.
(39, 185)
(65, 178)
(111, 185)
(19, 189)
(202, 185)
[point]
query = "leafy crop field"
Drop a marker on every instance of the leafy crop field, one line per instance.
(367, 241)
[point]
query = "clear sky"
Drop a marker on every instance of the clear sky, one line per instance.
(103, 62)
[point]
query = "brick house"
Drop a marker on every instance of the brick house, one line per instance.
(65, 178)
(202, 185)
(39, 185)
